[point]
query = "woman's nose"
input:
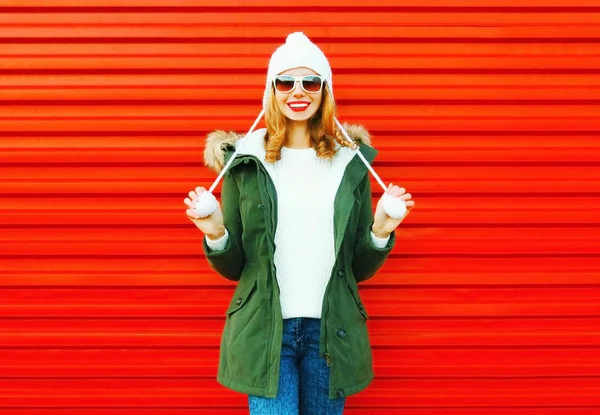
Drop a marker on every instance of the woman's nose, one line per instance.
(298, 91)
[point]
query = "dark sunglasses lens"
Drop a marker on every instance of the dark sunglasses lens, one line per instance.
(284, 83)
(311, 83)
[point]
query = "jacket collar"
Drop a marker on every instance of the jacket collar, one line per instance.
(220, 144)
(354, 174)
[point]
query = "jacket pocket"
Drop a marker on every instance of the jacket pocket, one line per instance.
(241, 296)
(359, 305)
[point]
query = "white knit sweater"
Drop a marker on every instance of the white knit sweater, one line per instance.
(304, 247)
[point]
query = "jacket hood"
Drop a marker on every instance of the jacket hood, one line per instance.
(218, 141)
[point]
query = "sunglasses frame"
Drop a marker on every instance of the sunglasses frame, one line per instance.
(296, 80)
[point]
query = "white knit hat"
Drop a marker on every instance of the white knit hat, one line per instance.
(297, 51)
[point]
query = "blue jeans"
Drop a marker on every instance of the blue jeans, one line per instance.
(303, 375)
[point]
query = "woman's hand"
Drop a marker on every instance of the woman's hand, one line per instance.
(383, 224)
(212, 226)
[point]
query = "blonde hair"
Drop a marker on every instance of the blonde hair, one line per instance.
(323, 130)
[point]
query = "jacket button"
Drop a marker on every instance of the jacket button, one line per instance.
(246, 161)
(261, 206)
(340, 393)
(239, 301)
(341, 334)
(341, 273)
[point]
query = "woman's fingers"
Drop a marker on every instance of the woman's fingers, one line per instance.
(191, 204)
(191, 214)
(395, 191)
(206, 224)
(193, 197)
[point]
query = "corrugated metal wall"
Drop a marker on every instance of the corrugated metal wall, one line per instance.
(487, 112)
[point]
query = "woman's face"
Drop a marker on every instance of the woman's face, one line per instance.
(297, 104)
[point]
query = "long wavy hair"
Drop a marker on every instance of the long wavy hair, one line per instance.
(323, 130)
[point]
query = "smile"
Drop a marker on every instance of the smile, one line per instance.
(298, 106)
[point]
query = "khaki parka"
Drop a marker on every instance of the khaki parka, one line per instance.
(252, 336)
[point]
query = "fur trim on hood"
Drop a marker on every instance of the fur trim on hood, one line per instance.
(218, 141)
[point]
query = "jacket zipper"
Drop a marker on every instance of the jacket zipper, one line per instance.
(273, 203)
(327, 355)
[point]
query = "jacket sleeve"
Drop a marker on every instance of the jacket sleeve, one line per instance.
(368, 258)
(229, 261)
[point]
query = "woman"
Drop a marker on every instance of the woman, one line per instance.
(297, 232)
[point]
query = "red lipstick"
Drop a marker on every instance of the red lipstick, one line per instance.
(298, 106)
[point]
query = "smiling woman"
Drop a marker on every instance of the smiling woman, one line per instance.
(297, 232)
(291, 109)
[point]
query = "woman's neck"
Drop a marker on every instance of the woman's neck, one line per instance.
(298, 135)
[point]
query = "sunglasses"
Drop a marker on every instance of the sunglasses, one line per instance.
(311, 84)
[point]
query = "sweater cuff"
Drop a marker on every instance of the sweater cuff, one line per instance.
(379, 242)
(217, 244)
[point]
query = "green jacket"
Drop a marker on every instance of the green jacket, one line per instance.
(252, 336)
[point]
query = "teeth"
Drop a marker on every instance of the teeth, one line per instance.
(298, 105)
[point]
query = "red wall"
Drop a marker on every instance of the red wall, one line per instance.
(487, 112)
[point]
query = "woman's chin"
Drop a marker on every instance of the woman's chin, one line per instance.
(298, 116)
